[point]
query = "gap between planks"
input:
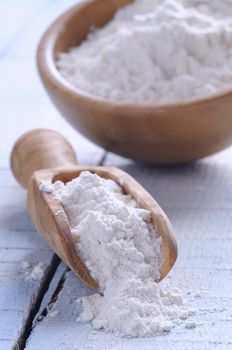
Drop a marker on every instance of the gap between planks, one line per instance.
(49, 273)
(52, 294)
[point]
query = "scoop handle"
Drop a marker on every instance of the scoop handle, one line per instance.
(40, 149)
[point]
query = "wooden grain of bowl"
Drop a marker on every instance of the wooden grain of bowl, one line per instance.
(167, 133)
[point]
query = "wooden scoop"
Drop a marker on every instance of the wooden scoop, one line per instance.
(50, 151)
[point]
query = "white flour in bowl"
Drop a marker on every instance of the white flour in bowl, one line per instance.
(121, 249)
(156, 51)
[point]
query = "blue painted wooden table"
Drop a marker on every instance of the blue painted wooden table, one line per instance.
(41, 312)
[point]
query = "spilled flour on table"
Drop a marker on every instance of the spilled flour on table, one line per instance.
(122, 250)
(52, 313)
(25, 264)
(36, 273)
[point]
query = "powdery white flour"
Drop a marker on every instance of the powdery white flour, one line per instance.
(121, 249)
(155, 51)
(36, 273)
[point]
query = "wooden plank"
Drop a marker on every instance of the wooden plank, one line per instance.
(63, 330)
(24, 105)
(13, 16)
(26, 45)
(18, 242)
(198, 199)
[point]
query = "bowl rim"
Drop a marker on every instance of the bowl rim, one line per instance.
(47, 67)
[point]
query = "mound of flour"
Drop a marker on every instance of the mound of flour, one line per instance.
(121, 249)
(155, 51)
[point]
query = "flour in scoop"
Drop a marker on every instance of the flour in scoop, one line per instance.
(155, 51)
(121, 248)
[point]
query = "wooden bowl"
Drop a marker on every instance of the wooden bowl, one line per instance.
(170, 133)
